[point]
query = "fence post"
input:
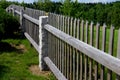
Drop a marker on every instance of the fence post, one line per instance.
(13, 9)
(22, 27)
(43, 42)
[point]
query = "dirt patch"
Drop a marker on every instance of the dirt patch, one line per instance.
(21, 48)
(36, 71)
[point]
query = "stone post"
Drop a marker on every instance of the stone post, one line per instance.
(43, 42)
(13, 10)
(22, 27)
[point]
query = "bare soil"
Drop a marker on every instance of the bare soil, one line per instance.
(36, 71)
(20, 48)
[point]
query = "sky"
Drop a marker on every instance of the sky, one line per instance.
(82, 1)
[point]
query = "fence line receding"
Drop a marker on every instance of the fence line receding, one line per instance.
(77, 49)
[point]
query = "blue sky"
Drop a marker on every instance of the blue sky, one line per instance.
(83, 1)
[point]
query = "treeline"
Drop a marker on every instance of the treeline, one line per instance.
(97, 12)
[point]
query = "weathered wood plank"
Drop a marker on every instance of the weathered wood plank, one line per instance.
(81, 54)
(68, 50)
(103, 49)
(81, 66)
(78, 55)
(111, 43)
(91, 43)
(59, 41)
(118, 52)
(63, 46)
(71, 49)
(97, 46)
(82, 30)
(86, 58)
(17, 12)
(54, 69)
(74, 50)
(35, 21)
(60, 44)
(32, 41)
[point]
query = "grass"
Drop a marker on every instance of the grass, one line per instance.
(15, 61)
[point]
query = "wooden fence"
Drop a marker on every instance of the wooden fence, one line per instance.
(73, 49)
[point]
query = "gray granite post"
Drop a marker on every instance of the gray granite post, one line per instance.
(43, 42)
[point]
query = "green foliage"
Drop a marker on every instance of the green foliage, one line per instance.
(97, 12)
(46, 6)
(66, 8)
(8, 24)
(4, 4)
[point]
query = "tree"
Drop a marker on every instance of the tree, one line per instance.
(8, 24)
(66, 8)
(116, 15)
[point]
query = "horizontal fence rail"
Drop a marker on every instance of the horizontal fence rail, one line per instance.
(72, 48)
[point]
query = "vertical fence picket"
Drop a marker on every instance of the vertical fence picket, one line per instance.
(81, 55)
(86, 58)
(68, 51)
(74, 50)
(52, 41)
(111, 42)
(118, 52)
(71, 54)
(58, 43)
(86, 32)
(103, 49)
(91, 43)
(53, 49)
(91, 33)
(78, 53)
(21, 19)
(97, 35)
(82, 30)
(97, 46)
(62, 43)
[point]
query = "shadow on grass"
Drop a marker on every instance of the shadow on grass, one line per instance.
(3, 70)
(6, 47)
(14, 36)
